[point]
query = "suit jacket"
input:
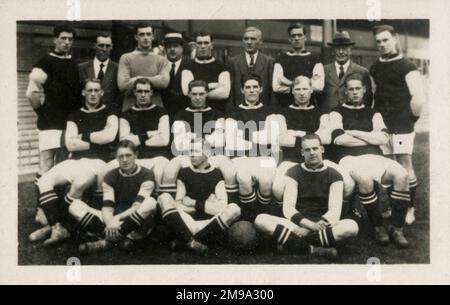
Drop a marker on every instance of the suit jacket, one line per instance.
(172, 97)
(112, 95)
(333, 94)
(263, 68)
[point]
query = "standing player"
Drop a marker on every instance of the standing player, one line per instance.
(311, 207)
(127, 204)
(358, 132)
(147, 126)
(196, 122)
(199, 214)
(299, 119)
(54, 91)
(207, 68)
(251, 140)
(89, 133)
(399, 97)
(297, 62)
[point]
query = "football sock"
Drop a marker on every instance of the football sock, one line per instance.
(97, 202)
(232, 192)
(173, 221)
(49, 204)
(324, 238)
(247, 205)
(372, 205)
(131, 223)
(263, 203)
(171, 189)
(215, 231)
(36, 180)
(92, 223)
(289, 240)
(412, 189)
(400, 201)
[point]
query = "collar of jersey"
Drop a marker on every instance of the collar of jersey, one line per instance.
(400, 56)
(137, 171)
(209, 169)
(135, 108)
(84, 109)
(309, 107)
(345, 105)
(324, 167)
(198, 110)
(145, 52)
(61, 56)
(247, 107)
(207, 61)
(301, 54)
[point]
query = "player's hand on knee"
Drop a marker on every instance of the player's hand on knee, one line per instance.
(320, 225)
(189, 202)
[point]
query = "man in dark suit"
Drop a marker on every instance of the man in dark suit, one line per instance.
(103, 68)
(251, 61)
(336, 72)
(173, 98)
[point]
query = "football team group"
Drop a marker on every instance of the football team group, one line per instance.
(183, 141)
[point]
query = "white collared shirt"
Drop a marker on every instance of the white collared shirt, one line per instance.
(338, 67)
(97, 66)
(248, 58)
(177, 65)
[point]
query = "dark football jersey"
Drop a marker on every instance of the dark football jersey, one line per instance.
(304, 119)
(92, 121)
(62, 91)
(143, 120)
(392, 97)
(251, 119)
(313, 189)
(293, 66)
(209, 72)
(357, 118)
(126, 187)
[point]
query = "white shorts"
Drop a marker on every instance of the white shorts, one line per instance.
(373, 166)
(256, 166)
(399, 144)
(50, 139)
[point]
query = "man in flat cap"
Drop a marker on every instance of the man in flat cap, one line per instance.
(335, 73)
(173, 98)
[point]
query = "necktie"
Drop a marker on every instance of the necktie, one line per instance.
(341, 72)
(172, 71)
(101, 74)
(252, 61)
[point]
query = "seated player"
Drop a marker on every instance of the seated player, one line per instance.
(358, 133)
(195, 123)
(127, 204)
(251, 141)
(89, 133)
(312, 207)
(300, 119)
(200, 215)
(148, 127)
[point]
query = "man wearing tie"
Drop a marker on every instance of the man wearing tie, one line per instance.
(335, 73)
(173, 98)
(104, 69)
(252, 61)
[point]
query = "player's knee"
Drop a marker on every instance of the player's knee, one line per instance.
(265, 183)
(400, 178)
(170, 171)
(348, 228)
(45, 184)
(233, 212)
(165, 201)
(349, 189)
(365, 184)
(78, 209)
(244, 180)
(263, 222)
(147, 207)
(278, 190)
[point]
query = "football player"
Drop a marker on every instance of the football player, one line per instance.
(89, 133)
(127, 204)
(299, 119)
(251, 140)
(399, 97)
(312, 206)
(358, 133)
(196, 122)
(199, 215)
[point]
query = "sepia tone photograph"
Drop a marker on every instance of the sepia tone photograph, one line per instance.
(223, 141)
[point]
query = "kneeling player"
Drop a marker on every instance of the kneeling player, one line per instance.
(89, 133)
(251, 139)
(358, 133)
(311, 207)
(127, 204)
(194, 123)
(200, 213)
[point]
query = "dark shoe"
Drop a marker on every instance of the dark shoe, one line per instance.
(398, 238)
(381, 236)
(329, 253)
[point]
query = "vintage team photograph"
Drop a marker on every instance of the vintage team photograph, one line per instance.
(281, 141)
